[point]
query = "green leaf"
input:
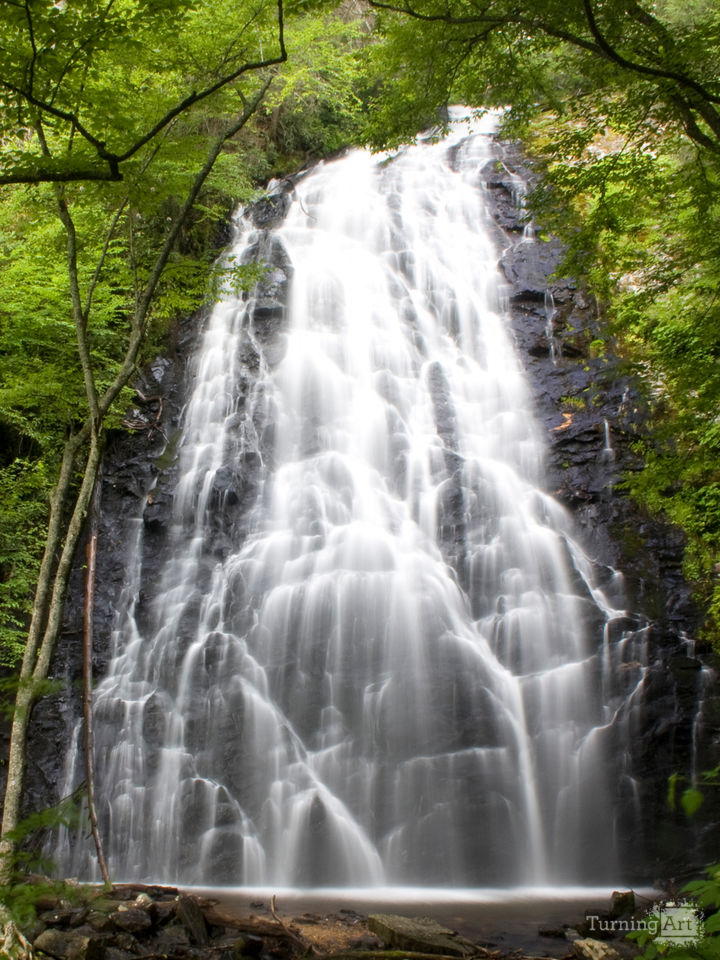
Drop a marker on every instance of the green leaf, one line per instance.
(691, 801)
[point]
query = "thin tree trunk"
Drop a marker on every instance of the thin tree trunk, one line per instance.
(28, 690)
(91, 554)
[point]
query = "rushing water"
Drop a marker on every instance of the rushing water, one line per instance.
(397, 669)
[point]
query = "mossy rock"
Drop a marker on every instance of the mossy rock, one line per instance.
(419, 934)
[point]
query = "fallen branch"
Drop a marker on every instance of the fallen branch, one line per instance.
(301, 942)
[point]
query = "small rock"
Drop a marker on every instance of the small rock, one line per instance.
(125, 941)
(171, 938)
(163, 911)
(594, 950)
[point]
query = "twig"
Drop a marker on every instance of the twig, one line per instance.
(295, 937)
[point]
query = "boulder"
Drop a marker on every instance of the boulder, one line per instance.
(191, 916)
(419, 934)
(69, 945)
(131, 920)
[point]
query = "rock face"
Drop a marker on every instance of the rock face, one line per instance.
(591, 410)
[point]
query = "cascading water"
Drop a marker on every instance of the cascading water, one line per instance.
(395, 667)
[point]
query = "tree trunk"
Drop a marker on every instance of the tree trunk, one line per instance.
(91, 555)
(32, 676)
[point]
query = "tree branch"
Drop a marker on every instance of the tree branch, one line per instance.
(101, 262)
(691, 127)
(31, 34)
(142, 308)
(48, 175)
(194, 97)
(113, 160)
(622, 61)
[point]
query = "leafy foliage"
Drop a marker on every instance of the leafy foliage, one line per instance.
(18, 896)
(706, 893)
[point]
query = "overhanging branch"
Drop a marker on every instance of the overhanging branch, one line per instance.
(113, 160)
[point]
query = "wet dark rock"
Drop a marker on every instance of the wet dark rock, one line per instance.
(445, 417)
(69, 945)
(131, 920)
(527, 266)
(191, 916)
(271, 209)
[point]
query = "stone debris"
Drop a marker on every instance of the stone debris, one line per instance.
(594, 950)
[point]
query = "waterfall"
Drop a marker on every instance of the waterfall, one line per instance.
(372, 651)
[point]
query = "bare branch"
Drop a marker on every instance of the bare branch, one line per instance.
(101, 262)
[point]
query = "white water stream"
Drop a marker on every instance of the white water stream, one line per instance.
(404, 672)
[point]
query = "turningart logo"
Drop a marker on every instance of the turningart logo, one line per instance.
(675, 923)
(679, 922)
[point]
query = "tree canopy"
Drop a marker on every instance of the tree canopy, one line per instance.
(656, 64)
(109, 78)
